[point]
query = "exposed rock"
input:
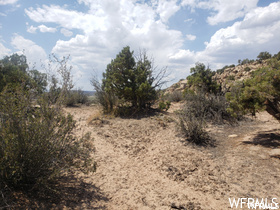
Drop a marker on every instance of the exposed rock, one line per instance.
(226, 78)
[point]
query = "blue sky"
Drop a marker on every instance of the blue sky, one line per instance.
(176, 33)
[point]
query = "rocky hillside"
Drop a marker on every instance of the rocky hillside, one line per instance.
(237, 73)
(226, 77)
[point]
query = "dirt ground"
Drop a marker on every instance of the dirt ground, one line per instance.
(144, 164)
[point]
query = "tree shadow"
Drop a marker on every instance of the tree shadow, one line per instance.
(269, 139)
(132, 113)
(69, 192)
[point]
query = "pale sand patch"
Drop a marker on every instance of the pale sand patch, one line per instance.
(144, 163)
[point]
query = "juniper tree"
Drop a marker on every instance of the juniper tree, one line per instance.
(133, 79)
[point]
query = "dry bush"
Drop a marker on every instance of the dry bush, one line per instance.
(36, 143)
(107, 100)
(75, 97)
(210, 107)
(193, 128)
(175, 96)
(199, 109)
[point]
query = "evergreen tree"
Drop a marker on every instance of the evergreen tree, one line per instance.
(131, 79)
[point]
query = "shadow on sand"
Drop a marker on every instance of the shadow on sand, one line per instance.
(69, 192)
(269, 139)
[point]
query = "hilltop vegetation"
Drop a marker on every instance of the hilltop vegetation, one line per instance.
(248, 87)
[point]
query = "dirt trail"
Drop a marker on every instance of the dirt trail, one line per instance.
(144, 164)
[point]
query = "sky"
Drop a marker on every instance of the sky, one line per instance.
(175, 33)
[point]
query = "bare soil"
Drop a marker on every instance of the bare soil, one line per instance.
(145, 164)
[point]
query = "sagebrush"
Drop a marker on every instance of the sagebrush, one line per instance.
(37, 143)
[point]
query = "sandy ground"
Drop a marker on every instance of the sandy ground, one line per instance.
(144, 163)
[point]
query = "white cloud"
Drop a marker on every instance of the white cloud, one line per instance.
(190, 37)
(228, 10)
(42, 28)
(33, 52)
(189, 20)
(260, 17)
(190, 3)
(66, 32)
(244, 38)
(45, 29)
(222, 10)
(108, 26)
(4, 51)
(166, 9)
(185, 56)
(31, 29)
(5, 2)
(69, 19)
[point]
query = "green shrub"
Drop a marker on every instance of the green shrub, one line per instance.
(244, 100)
(247, 68)
(188, 91)
(220, 71)
(263, 56)
(250, 95)
(14, 70)
(164, 105)
(202, 79)
(231, 77)
(175, 96)
(75, 97)
(37, 144)
(107, 100)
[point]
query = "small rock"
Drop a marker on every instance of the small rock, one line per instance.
(275, 152)
(232, 136)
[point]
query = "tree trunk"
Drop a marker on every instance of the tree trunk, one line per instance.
(273, 108)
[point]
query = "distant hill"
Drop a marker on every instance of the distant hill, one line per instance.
(89, 93)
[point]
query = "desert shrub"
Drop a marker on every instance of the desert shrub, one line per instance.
(164, 105)
(210, 107)
(14, 70)
(247, 68)
(220, 71)
(245, 61)
(250, 95)
(82, 97)
(263, 56)
(193, 127)
(175, 96)
(202, 79)
(36, 142)
(106, 99)
(76, 97)
(231, 77)
(243, 100)
(188, 91)
(277, 56)
(199, 109)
